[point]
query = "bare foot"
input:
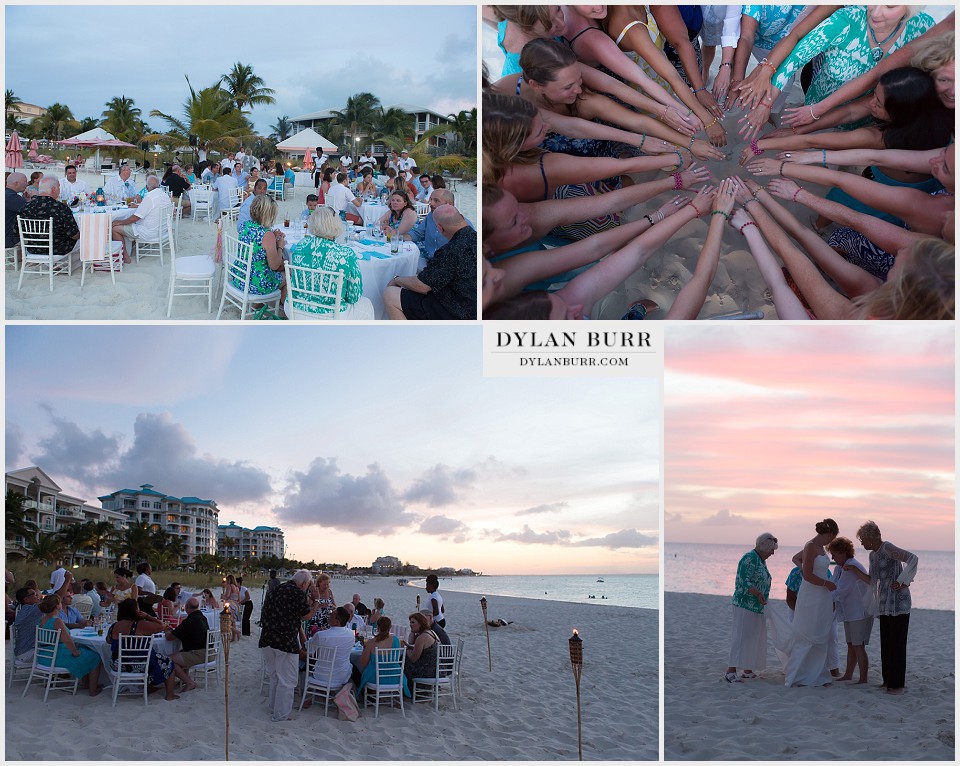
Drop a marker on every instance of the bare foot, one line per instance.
(845, 678)
(862, 681)
(189, 687)
(172, 697)
(896, 691)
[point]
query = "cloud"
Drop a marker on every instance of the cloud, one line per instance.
(364, 505)
(545, 508)
(440, 485)
(444, 526)
(625, 538)
(73, 451)
(527, 535)
(13, 444)
(724, 517)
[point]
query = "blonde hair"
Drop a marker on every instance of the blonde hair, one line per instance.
(869, 531)
(263, 210)
(525, 16)
(506, 125)
(922, 290)
(932, 54)
(323, 222)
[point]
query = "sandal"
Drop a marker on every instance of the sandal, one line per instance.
(733, 678)
(749, 674)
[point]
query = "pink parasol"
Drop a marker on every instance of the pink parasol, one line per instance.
(95, 139)
(34, 149)
(14, 157)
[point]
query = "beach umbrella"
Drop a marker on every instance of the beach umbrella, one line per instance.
(14, 152)
(34, 149)
(94, 138)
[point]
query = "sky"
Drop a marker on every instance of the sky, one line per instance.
(359, 443)
(313, 56)
(773, 428)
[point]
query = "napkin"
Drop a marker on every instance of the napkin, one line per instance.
(369, 254)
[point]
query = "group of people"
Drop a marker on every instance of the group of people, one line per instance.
(806, 639)
(589, 96)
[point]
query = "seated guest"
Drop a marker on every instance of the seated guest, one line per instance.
(266, 273)
(342, 200)
(66, 233)
(132, 622)
(125, 587)
(376, 613)
(425, 233)
(90, 591)
(26, 621)
(426, 188)
(80, 598)
(359, 607)
(259, 190)
(252, 178)
(70, 187)
(14, 203)
(168, 603)
(319, 250)
(446, 288)
(437, 182)
(435, 627)
(106, 598)
(210, 173)
(367, 160)
(120, 186)
(401, 215)
(383, 639)
(391, 183)
(224, 185)
(413, 176)
(68, 613)
(240, 175)
(421, 649)
(341, 638)
(207, 600)
(312, 202)
(178, 184)
(192, 633)
(79, 662)
(32, 188)
(366, 185)
(189, 174)
(144, 223)
(289, 177)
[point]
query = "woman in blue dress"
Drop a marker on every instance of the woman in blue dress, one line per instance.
(368, 660)
(79, 661)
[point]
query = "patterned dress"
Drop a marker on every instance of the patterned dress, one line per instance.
(321, 620)
(263, 279)
(319, 253)
(752, 572)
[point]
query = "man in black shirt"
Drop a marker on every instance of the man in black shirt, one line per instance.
(66, 233)
(192, 633)
(14, 203)
(178, 184)
(447, 286)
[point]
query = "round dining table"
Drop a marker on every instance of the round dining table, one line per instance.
(89, 638)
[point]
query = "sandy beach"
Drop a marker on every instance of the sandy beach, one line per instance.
(142, 289)
(706, 718)
(524, 710)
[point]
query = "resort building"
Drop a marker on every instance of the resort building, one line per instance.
(192, 519)
(241, 543)
(52, 510)
(421, 120)
(386, 564)
(26, 112)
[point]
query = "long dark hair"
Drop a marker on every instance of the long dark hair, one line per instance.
(534, 304)
(406, 200)
(918, 119)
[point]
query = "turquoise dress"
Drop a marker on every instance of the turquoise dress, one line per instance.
(369, 675)
(263, 279)
(77, 667)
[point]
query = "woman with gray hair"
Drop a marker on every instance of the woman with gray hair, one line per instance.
(320, 250)
(748, 647)
(266, 273)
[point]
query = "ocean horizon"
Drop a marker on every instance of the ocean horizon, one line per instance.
(640, 591)
(710, 568)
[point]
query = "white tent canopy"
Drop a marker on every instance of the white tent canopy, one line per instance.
(96, 134)
(306, 140)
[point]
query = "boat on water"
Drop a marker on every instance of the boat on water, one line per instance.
(599, 579)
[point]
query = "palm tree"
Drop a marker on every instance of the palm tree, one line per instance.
(122, 118)
(87, 123)
(282, 130)
(358, 115)
(75, 538)
(166, 548)
(11, 102)
(46, 547)
(99, 536)
(207, 562)
(393, 123)
(12, 110)
(245, 87)
(210, 115)
(17, 524)
(463, 124)
(134, 541)
(57, 122)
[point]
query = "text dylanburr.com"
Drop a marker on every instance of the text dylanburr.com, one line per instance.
(536, 349)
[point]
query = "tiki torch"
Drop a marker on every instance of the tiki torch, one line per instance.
(576, 661)
(486, 625)
(418, 602)
(226, 629)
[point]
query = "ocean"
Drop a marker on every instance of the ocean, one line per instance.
(636, 590)
(709, 568)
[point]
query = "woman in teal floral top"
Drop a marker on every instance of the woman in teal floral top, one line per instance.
(266, 273)
(748, 648)
(320, 251)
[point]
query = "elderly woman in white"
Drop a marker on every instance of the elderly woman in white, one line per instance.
(748, 646)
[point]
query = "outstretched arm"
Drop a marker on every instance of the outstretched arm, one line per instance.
(902, 159)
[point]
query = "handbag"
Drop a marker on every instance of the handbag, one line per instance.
(870, 603)
(346, 701)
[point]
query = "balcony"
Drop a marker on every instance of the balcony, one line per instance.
(33, 504)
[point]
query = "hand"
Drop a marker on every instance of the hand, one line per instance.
(898, 585)
(704, 151)
(740, 218)
(725, 196)
(75, 652)
(830, 586)
(701, 202)
(717, 135)
(797, 116)
(755, 87)
(706, 98)
(780, 133)
(680, 121)
(658, 146)
(721, 85)
(695, 174)
(673, 206)
(763, 166)
(742, 193)
(762, 600)
(753, 121)
(784, 188)
(801, 158)
(746, 155)
(730, 99)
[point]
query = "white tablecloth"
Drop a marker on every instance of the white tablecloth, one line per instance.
(377, 264)
(372, 212)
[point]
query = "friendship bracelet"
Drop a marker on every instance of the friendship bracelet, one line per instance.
(677, 182)
(649, 219)
(720, 212)
(679, 158)
(781, 166)
(727, 63)
(752, 199)
(767, 63)
(824, 157)
(715, 121)
(749, 223)
(698, 90)
(815, 118)
(755, 147)
(663, 114)
(644, 138)
(690, 145)
(694, 206)
(799, 189)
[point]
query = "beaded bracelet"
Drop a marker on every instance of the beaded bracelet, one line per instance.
(749, 223)
(720, 212)
(781, 166)
(815, 118)
(727, 63)
(755, 147)
(715, 121)
(690, 145)
(679, 158)
(642, 139)
(752, 199)
(767, 63)
(694, 206)
(697, 90)
(677, 182)
(799, 189)
(649, 219)
(824, 157)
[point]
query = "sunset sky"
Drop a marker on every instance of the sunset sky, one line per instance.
(358, 441)
(773, 428)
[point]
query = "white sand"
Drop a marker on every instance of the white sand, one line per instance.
(142, 289)
(706, 718)
(524, 710)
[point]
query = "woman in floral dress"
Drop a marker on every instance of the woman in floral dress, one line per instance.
(266, 273)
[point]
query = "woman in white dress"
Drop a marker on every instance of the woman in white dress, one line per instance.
(803, 645)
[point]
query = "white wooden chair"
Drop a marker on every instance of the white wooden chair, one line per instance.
(319, 678)
(237, 265)
(155, 246)
(309, 288)
(12, 257)
(236, 197)
(213, 659)
(229, 219)
(36, 248)
(423, 210)
(442, 681)
(275, 188)
(84, 607)
(388, 679)
(201, 201)
(18, 668)
(43, 658)
(194, 274)
(97, 248)
(133, 665)
(400, 631)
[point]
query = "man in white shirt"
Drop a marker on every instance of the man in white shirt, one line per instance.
(368, 160)
(241, 158)
(144, 224)
(426, 189)
(345, 161)
(394, 161)
(239, 175)
(225, 184)
(70, 187)
(405, 163)
(121, 187)
(340, 198)
(342, 639)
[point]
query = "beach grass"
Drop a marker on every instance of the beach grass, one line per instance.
(32, 570)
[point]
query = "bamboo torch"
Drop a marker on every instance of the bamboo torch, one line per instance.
(576, 661)
(486, 625)
(418, 602)
(226, 629)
